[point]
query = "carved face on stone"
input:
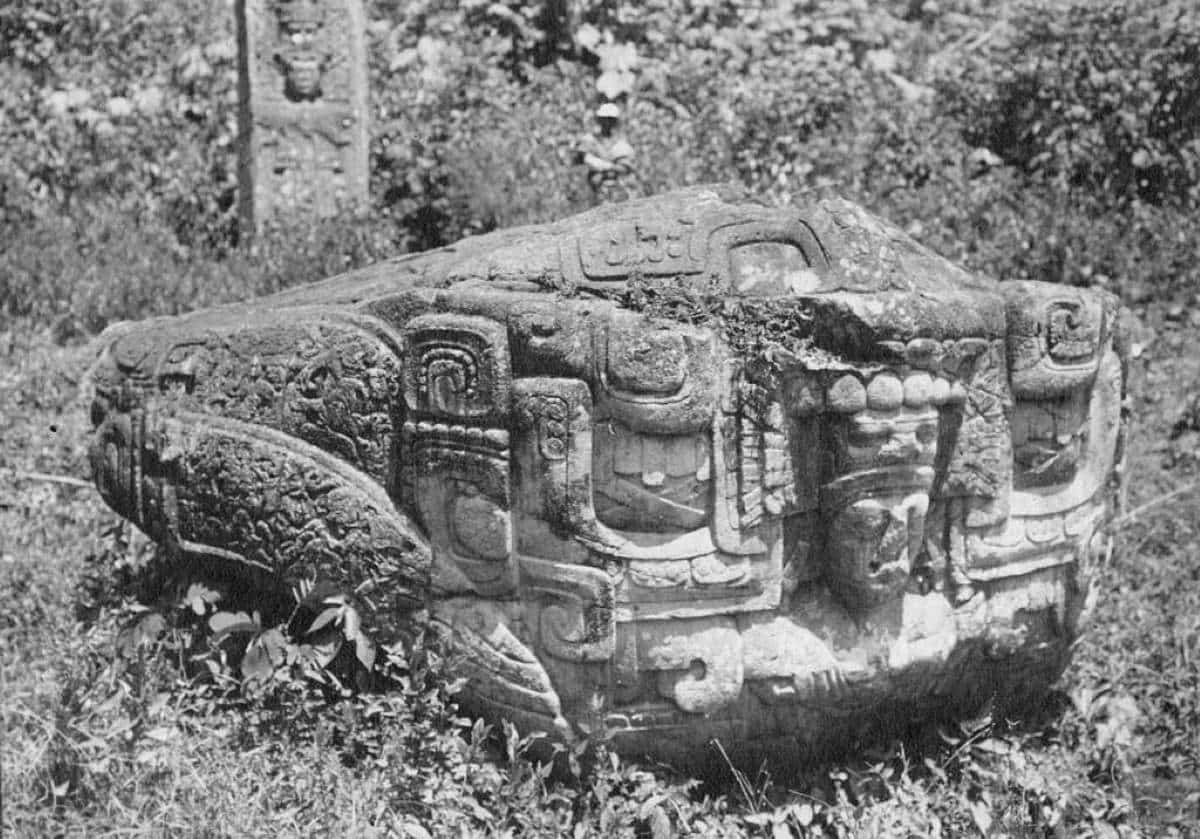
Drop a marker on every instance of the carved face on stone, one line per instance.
(875, 512)
(1054, 350)
(299, 56)
(874, 540)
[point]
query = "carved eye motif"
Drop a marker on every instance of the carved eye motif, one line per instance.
(549, 416)
(458, 366)
(543, 327)
(480, 527)
(554, 440)
(864, 436)
(865, 521)
(771, 269)
(1050, 439)
(879, 440)
(177, 374)
(927, 432)
(873, 532)
(449, 380)
(1072, 332)
(314, 382)
(647, 362)
(176, 383)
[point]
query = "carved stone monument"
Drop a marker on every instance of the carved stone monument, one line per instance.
(302, 120)
(686, 467)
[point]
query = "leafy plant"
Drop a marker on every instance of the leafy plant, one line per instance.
(1039, 140)
(1099, 98)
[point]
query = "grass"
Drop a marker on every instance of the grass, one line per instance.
(108, 733)
(118, 713)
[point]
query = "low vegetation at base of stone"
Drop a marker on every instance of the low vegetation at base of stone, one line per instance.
(1050, 141)
(130, 703)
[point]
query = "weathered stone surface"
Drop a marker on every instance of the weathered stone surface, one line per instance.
(303, 111)
(688, 467)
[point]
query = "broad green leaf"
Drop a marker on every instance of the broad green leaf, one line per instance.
(256, 663)
(981, 814)
(324, 619)
(200, 597)
(224, 624)
(648, 805)
(415, 831)
(150, 627)
(324, 652)
(660, 823)
(163, 733)
(275, 644)
(351, 623)
(365, 651)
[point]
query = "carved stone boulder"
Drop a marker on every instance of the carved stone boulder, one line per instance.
(682, 468)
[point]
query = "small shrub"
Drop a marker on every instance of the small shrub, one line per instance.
(1096, 98)
(127, 101)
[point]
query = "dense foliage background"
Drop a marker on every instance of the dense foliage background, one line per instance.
(1055, 140)
(1029, 139)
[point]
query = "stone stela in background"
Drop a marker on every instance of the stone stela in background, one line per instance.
(303, 108)
(683, 468)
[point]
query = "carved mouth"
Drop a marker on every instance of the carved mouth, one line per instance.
(115, 459)
(878, 482)
(128, 470)
(121, 376)
(651, 482)
(1049, 439)
(876, 582)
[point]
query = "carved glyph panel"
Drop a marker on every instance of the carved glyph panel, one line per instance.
(302, 108)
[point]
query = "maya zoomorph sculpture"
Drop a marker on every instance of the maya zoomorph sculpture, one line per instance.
(686, 467)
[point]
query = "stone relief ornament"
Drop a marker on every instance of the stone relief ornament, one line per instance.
(685, 467)
(301, 54)
(303, 108)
